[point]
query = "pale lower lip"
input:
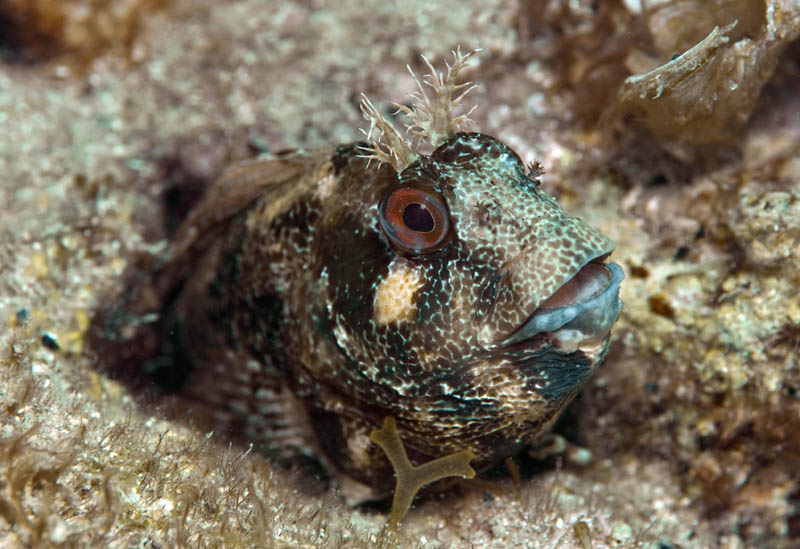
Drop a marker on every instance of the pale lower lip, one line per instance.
(603, 309)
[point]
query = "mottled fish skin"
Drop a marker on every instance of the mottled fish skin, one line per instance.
(300, 323)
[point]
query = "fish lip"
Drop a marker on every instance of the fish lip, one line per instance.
(599, 312)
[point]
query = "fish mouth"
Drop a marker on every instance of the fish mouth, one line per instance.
(579, 315)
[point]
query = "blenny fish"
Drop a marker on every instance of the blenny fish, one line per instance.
(312, 295)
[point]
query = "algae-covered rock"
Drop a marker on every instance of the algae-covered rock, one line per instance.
(711, 81)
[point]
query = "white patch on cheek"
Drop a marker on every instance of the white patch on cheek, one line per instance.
(394, 297)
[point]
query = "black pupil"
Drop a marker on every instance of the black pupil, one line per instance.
(418, 218)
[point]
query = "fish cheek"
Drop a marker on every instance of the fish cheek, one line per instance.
(433, 315)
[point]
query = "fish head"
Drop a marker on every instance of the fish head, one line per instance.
(491, 303)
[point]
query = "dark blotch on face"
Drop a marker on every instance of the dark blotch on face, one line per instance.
(356, 258)
(565, 374)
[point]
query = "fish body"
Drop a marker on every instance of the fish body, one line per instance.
(310, 296)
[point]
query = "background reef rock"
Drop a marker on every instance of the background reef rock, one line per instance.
(686, 152)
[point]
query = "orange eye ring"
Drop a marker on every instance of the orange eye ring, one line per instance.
(414, 220)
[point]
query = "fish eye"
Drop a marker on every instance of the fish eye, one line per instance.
(415, 220)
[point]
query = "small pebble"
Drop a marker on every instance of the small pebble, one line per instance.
(50, 341)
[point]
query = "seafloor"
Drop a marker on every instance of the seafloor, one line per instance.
(693, 421)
